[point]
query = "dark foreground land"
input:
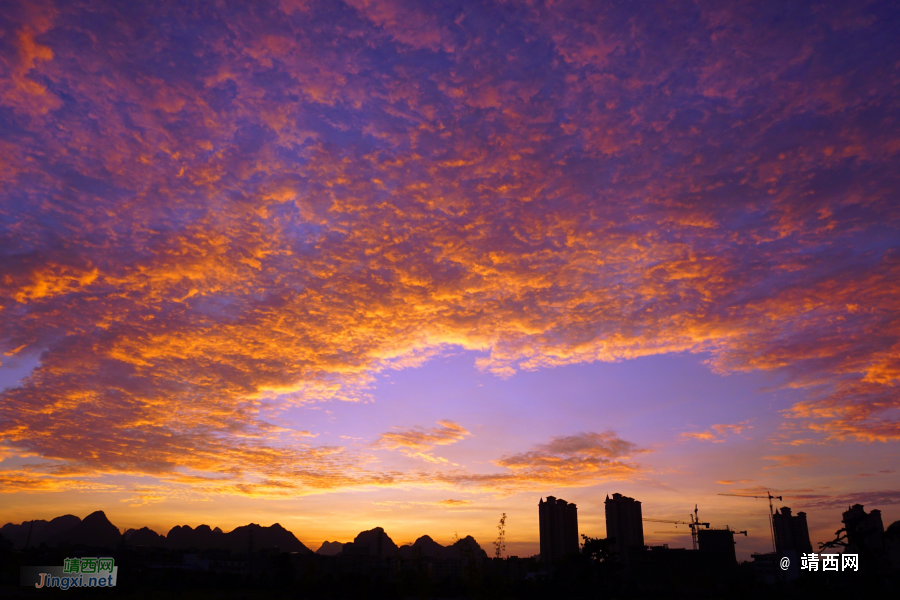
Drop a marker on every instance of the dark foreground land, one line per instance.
(162, 573)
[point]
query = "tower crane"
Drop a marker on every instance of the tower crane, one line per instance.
(694, 524)
(771, 511)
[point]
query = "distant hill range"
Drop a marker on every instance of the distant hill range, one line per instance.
(375, 542)
(96, 531)
(465, 548)
(38, 531)
(330, 548)
(244, 538)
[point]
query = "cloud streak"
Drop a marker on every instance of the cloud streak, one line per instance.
(566, 461)
(417, 438)
(416, 442)
(717, 433)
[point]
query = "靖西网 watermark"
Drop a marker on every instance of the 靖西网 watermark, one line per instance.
(829, 562)
(75, 572)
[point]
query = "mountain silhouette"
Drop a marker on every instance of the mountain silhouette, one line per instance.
(264, 537)
(466, 547)
(330, 548)
(238, 541)
(377, 541)
(40, 532)
(95, 531)
(144, 537)
(424, 547)
(185, 538)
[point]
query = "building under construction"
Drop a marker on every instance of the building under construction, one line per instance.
(791, 532)
(718, 544)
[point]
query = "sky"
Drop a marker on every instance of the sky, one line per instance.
(415, 264)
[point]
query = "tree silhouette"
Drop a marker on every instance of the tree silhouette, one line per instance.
(840, 540)
(500, 543)
(598, 550)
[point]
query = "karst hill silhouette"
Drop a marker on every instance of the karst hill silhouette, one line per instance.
(252, 536)
(426, 547)
(375, 542)
(144, 537)
(96, 531)
(330, 548)
(39, 530)
(274, 536)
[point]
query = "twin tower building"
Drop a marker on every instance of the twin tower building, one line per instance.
(559, 526)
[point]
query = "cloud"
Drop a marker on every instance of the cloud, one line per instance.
(199, 232)
(451, 502)
(439, 504)
(421, 439)
(826, 498)
(405, 23)
(717, 433)
(416, 442)
(566, 461)
(878, 474)
(791, 461)
(281, 472)
(872, 499)
(583, 446)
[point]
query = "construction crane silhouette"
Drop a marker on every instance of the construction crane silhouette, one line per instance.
(694, 525)
(771, 511)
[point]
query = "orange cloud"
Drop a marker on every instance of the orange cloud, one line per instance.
(279, 472)
(21, 88)
(415, 442)
(567, 461)
(285, 209)
(451, 502)
(422, 439)
(790, 461)
(717, 433)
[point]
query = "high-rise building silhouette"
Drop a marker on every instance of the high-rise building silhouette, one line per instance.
(864, 529)
(559, 529)
(718, 544)
(791, 532)
(624, 524)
